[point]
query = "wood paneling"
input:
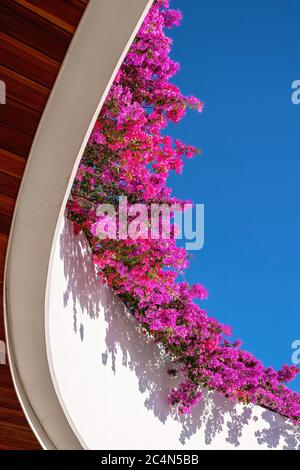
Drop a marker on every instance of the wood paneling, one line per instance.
(15, 140)
(21, 89)
(5, 222)
(11, 163)
(3, 247)
(7, 205)
(9, 185)
(34, 37)
(27, 61)
(14, 432)
(1, 297)
(33, 30)
(16, 115)
(64, 14)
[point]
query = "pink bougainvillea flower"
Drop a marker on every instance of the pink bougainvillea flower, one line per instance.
(128, 154)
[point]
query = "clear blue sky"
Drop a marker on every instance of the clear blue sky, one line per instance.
(240, 57)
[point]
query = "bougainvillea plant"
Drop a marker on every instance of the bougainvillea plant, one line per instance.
(129, 155)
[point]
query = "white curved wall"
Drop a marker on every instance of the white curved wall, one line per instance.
(112, 383)
(97, 50)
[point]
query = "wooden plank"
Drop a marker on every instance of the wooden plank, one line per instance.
(20, 438)
(5, 223)
(7, 205)
(34, 37)
(33, 30)
(27, 61)
(3, 247)
(9, 185)
(64, 14)
(12, 416)
(20, 117)
(14, 140)
(2, 335)
(15, 432)
(7, 396)
(25, 91)
(11, 163)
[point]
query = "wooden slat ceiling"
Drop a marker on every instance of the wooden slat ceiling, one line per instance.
(34, 38)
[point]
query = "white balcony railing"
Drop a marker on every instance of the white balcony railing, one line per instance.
(96, 52)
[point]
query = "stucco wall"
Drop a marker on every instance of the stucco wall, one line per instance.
(113, 384)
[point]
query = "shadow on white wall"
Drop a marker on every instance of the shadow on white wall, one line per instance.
(113, 381)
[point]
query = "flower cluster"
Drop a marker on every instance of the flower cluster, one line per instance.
(128, 154)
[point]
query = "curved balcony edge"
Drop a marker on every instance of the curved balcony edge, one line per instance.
(100, 43)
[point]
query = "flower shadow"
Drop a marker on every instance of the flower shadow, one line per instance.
(214, 419)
